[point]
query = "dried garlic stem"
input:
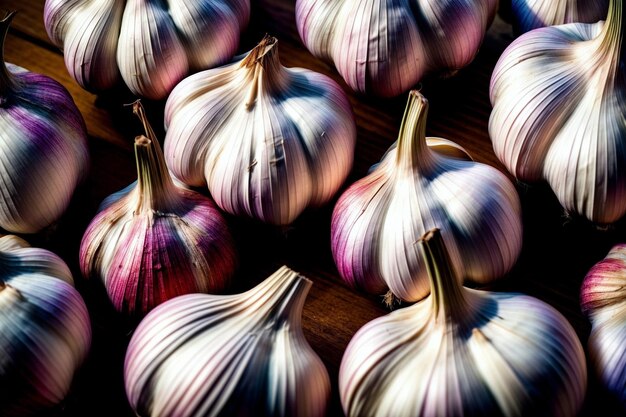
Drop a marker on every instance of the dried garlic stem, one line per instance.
(6, 81)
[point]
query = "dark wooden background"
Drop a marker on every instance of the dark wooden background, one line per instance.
(557, 251)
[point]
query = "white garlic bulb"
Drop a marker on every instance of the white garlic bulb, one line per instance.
(533, 14)
(464, 352)
(415, 188)
(151, 44)
(245, 355)
(603, 300)
(268, 141)
(558, 114)
(385, 47)
(43, 147)
(45, 332)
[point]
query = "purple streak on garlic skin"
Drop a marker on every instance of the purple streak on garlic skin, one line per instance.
(603, 300)
(532, 14)
(43, 147)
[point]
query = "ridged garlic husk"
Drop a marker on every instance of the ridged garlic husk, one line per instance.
(150, 44)
(231, 355)
(385, 47)
(533, 14)
(558, 114)
(43, 147)
(603, 300)
(153, 241)
(464, 352)
(45, 332)
(266, 140)
(417, 187)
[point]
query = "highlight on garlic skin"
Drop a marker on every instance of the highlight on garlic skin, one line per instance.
(43, 146)
(225, 355)
(603, 300)
(533, 14)
(153, 241)
(45, 332)
(463, 352)
(151, 45)
(266, 140)
(385, 47)
(416, 187)
(558, 114)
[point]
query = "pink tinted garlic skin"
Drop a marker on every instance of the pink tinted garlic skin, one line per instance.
(385, 47)
(603, 300)
(154, 241)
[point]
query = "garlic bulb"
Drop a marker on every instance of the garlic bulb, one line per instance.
(385, 47)
(603, 300)
(558, 114)
(45, 332)
(230, 355)
(463, 352)
(151, 44)
(268, 141)
(43, 147)
(415, 188)
(153, 241)
(532, 14)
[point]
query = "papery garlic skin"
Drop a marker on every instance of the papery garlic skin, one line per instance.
(153, 241)
(533, 14)
(385, 47)
(266, 140)
(603, 300)
(244, 354)
(464, 352)
(151, 44)
(558, 114)
(43, 147)
(415, 188)
(45, 332)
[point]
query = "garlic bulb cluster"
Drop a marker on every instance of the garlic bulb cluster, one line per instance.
(558, 113)
(385, 47)
(415, 188)
(153, 241)
(603, 300)
(463, 352)
(45, 332)
(533, 14)
(151, 44)
(268, 141)
(230, 355)
(43, 147)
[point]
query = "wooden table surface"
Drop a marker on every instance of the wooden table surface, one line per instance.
(557, 250)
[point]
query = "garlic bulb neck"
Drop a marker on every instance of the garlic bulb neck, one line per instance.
(611, 38)
(283, 298)
(445, 291)
(6, 81)
(155, 188)
(265, 70)
(413, 152)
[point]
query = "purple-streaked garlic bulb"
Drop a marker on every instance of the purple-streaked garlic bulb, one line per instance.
(463, 352)
(533, 14)
(558, 96)
(153, 241)
(416, 187)
(43, 147)
(45, 332)
(603, 300)
(385, 47)
(266, 140)
(150, 44)
(202, 355)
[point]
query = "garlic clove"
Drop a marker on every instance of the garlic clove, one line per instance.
(533, 14)
(463, 352)
(267, 141)
(415, 188)
(243, 354)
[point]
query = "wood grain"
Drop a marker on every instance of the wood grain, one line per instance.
(557, 250)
